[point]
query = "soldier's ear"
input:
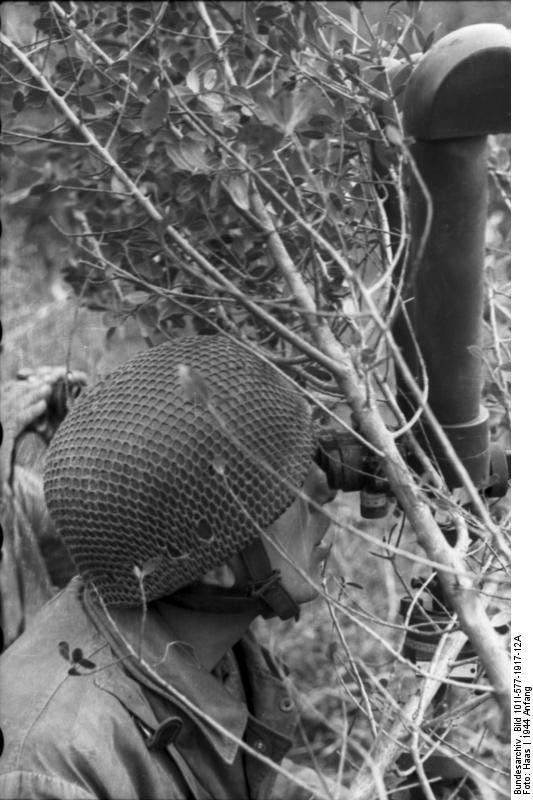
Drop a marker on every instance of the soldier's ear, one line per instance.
(222, 575)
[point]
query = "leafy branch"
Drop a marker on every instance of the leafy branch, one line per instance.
(226, 181)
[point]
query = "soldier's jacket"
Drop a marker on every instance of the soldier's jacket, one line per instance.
(117, 732)
(34, 562)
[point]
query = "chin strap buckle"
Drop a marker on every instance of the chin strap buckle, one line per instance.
(257, 588)
(265, 583)
(272, 592)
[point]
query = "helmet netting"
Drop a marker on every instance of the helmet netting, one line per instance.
(159, 466)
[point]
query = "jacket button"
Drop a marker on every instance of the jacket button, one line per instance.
(286, 704)
(259, 745)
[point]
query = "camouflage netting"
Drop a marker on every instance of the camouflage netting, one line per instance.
(159, 465)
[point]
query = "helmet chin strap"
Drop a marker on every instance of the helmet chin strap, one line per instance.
(265, 582)
(264, 592)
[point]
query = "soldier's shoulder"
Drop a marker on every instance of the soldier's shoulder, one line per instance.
(39, 694)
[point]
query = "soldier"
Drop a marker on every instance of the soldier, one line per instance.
(34, 562)
(184, 487)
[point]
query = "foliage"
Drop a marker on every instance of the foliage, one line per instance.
(301, 107)
(220, 119)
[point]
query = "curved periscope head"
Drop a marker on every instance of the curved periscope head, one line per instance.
(462, 86)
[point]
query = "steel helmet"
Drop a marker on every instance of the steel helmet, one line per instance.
(173, 463)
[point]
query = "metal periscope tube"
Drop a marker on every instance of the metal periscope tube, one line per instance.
(458, 93)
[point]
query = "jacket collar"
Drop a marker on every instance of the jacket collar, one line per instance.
(174, 664)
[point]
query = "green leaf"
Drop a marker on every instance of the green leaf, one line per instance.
(47, 25)
(86, 664)
(310, 24)
(151, 565)
(270, 13)
(26, 181)
(242, 95)
(117, 185)
(193, 81)
(198, 223)
(219, 464)
(87, 105)
(394, 135)
(168, 309)
(131, 125)
(429, 41)
(180, 63)
(263, 136)
(146, 83)
(335, 201)
(313, 134)
(321, 121)
(213, 101)
(194, 386)
(155, 112)
(139, 13)
(136, 298)
(146, 318)
(69, 68)
(189, 156)
(64, 650)
(292, 109)
(210, 79)
(368, 357)
(334, 73)
(501, 621)
(237, 188)
(36, 96)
